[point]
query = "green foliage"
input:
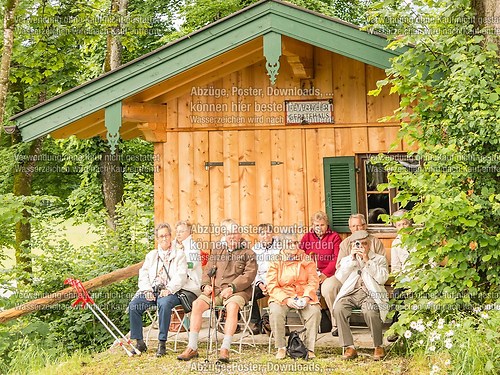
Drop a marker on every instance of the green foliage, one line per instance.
(448, 84)
(61, 328)
(199, 13)
(458, 344)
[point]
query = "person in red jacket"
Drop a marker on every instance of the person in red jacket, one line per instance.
(323, 244)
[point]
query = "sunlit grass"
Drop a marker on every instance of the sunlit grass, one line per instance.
(252, 361)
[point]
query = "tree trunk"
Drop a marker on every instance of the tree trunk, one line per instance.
(486, 20)
(23, 179)
(110, 165)
(8, 43)
(112, 182)
(68, 293)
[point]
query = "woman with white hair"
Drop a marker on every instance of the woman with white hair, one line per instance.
(292, 282)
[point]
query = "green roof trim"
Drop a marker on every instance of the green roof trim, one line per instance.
(272, 52)
(113, 122)
(267, 16)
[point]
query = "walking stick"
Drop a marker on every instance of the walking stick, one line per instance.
(211, 274)
(86, 301)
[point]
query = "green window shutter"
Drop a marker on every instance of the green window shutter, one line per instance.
(340, 191)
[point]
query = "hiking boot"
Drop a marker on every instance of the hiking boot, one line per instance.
(281, 353)
(224, 355)
(379, 353)
(187, 354)
(350, 353)
(141, 346)
(162, 350)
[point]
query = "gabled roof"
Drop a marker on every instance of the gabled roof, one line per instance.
(257, 20)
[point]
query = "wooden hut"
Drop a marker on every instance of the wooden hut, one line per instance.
(262, 116)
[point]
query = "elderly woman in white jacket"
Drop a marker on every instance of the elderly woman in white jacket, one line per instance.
(163, 273)
(362, 274)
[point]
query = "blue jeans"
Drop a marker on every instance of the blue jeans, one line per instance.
(140, 304)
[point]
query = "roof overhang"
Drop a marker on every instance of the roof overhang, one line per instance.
(267, 19)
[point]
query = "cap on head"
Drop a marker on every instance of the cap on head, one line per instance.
(359, 235)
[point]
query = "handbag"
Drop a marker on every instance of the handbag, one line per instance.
(187, 298)
(296, 347)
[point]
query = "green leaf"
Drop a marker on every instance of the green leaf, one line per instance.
(486, 257)
(493, 97)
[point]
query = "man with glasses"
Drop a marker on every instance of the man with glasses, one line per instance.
(363, 275)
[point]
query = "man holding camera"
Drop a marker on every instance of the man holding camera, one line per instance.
(363, 274)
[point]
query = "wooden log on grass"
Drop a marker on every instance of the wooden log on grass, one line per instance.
(69, 293)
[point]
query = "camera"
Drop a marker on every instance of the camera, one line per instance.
(357, 245)
(157, 289)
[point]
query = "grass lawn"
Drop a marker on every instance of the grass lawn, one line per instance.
(77, 235)
(252, 361)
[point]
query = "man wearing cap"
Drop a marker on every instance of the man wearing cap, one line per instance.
(332, 285)
(363, 274)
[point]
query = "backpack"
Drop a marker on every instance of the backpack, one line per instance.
(264, 325)
(296, 347)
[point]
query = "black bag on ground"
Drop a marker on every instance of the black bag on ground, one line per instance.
(187, 298)
(296, 347)
(325, 324)
(265, 325)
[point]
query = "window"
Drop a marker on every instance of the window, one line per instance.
(373, 203)
(351, 186)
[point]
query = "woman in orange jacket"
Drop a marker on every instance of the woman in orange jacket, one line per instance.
(292, 282)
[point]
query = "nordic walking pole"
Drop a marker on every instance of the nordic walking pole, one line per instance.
(211, 274)
(127, 340)
(85, 299)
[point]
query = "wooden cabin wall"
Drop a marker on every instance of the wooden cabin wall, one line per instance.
(290, 190)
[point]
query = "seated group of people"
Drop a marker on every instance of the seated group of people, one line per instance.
(348, 274)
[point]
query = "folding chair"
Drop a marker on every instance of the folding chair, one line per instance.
(245, 315)
(176, 312)
(287, 324)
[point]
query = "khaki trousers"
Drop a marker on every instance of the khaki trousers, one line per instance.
(329, 290)
(371, 314)
(310, 315)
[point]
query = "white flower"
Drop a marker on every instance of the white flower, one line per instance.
(430, 323)
(485, 315)
(448, 344)
(432, 348)
(435, 369)
(407, 334)
(420, 328)
(440, 323)
(421, 342)
(413, 325)
(447, 362)
(450, 333)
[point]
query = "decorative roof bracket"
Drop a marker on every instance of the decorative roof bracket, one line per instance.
(113, 121)
(272, 53)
